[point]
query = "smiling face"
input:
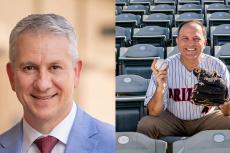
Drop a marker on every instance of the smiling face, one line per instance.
(191, 41)
(43, 77)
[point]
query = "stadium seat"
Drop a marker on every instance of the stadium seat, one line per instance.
(222, 50)
(118, 10)
(223, 53)
(163, 8)
(168, 2)
(170, 140)
(137, 59)
(208, 2)
(130, 95)
(189, 7)
(158, 19)
(128, 20)
(217, 18)
(210, 141)
(216, 7)
(181, 2)
(174, 50)
(123, 39)
(121, 2)
(179, 18)
(131, 85)
(227, 2)
(155, 35)
(141, 2)
(174, 35)
(220, 35)
(116, 62)
(204, 3)
(123, 36)
(136, 9)
(133, 142)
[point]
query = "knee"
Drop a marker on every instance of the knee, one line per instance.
(226, 122)
(146, 124)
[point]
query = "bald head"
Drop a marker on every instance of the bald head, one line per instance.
(194, 24)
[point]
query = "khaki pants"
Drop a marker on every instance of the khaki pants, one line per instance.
(168, 125)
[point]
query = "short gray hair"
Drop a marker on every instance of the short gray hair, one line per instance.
(50, 23)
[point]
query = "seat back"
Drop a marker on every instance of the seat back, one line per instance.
(155, 35)
(188, 16)
(174, 50)
(189, 7)
(210, 141)
(163, 8)
(128, 20)
(123, 36)
(137, 59)
(217, 18)
(136, 9)
(133, 142)
(222, 52)
(158, 19)
(130, 95)
(220, 35)
(141, 2)
(131, 85)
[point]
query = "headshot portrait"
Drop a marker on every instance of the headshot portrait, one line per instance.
(44, 69)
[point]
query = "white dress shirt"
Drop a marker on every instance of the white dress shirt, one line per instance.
(61, 132)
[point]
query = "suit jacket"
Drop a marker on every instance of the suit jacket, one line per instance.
(87, 135)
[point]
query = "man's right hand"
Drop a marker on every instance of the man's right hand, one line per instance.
(155, 105)
(160, 75)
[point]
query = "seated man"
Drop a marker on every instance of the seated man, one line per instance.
(44, 69)
(169, 93)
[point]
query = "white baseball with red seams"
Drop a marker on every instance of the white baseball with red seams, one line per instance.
(161, 64)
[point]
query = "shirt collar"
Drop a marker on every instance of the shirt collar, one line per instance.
(61, 131)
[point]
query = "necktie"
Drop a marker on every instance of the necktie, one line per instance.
(46, 144)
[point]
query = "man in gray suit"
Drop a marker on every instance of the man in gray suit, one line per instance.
(44, 69)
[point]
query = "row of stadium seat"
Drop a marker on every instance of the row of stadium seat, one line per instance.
(172, 8)
(149, 2)
(137, 59)
(210, 141)
(161, 37)
(168, 21)
(136, 23)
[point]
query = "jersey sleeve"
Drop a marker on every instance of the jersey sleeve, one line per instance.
(151, 89)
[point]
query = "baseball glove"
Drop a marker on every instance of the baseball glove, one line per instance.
(210, 89)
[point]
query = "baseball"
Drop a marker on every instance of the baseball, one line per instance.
(161, 64)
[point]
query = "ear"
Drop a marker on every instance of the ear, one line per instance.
(176, 40)
(10, 72)
(205, 42)
(77, 69)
